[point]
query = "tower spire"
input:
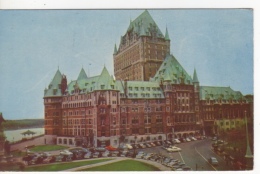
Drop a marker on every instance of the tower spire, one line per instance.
(115, 49)
(167, 35)
(195, 78)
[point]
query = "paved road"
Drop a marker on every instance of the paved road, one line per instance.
(194, 154)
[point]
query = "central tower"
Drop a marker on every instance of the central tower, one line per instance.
(141, 50)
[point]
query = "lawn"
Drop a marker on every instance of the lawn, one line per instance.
(43, 148)
(63, 166)
(125, 165)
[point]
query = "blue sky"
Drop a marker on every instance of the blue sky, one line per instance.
(34, 43)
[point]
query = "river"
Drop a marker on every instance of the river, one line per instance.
(15, 135)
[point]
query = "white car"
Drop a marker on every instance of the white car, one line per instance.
(142, 146)
(129, 146)
(188, 140)
(175, 149)
(193, 138)
(66, 152)
(177, 141)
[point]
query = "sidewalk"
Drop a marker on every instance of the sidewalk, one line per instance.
(117, 159)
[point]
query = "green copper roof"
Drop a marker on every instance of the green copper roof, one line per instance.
(101, 82)
(167, 35)
(82, 74)
(144, 24)
(195, 78)
(54, 86)
(171, 70)
(223, 93)
(140, 89)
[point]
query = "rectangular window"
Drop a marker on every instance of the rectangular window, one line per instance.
(159, 119)
(147, 130)
(147, 119)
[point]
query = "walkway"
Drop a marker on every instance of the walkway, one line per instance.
(117, 159)
(21, 145)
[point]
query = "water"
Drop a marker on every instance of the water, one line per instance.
(15, 135)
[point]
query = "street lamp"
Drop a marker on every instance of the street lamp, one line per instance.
(249, 155)
(135, 144)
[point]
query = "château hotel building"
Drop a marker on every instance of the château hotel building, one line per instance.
(151, 98)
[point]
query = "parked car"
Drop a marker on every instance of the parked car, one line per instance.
(97, 154)
(28, 158)
(175, 149)
(49, 159)
(88, 155)
(177, 141)
(193, 138)
(115, 153)
(66, 152)
(131, 154)
(148, 145)
(124, 153)
(58, 158)
(166, 161)
(142, 146)
(213, 161)
(183, 140)
(155, 158)
(76, 154)
(152, 144)
(188, 139)
(100, 149)
(106, 153)
(158, 143)
(148, 156)
(129, 146)
(140, 155)
(214, 139)
(37, 159)
(111, 148)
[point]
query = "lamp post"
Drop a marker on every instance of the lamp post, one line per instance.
(249, 155)
(135, 145)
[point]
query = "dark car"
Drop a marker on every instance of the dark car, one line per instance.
(76, 154)
(36, 159)
(28, 158)
(131, 154)
(49, 159)
(155, 158)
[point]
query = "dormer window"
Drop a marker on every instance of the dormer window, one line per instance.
(102, 86)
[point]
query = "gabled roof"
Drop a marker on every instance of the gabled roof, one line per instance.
(223, 93)
(171, 70)
(143, 24)
(54, 86)
(82, 74)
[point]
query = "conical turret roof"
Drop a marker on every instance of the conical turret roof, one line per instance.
(195, 78)
(82, 75)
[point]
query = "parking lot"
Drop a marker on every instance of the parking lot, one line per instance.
(191, 155)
